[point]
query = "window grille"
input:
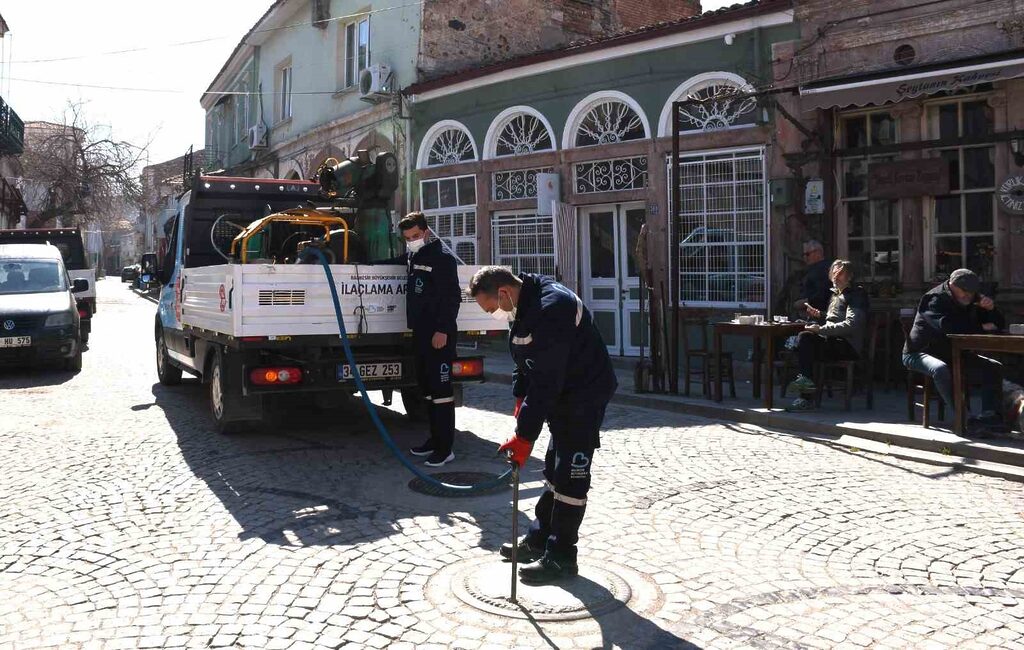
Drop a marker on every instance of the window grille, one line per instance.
(524, 241)
(611, 175)
(516, 184)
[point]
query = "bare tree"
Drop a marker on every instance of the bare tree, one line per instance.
(78, 170)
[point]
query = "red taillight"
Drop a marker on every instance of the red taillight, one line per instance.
(468, 368)
(83, 313)
(253, 339)
(275, 376)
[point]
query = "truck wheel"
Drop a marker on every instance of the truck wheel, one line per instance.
(415, 405)
(168, 373)
(220, 407)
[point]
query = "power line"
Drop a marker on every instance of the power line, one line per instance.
(226, 36)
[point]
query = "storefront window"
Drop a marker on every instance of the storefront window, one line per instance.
(963, 222)
(872, 226)
(449, 204)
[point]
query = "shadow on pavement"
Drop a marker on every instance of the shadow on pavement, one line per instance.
(315, 477)
(33, 377)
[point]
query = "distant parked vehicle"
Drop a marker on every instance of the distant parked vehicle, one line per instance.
(130, 273)
(39, 318)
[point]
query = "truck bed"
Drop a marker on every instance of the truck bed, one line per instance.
(287, 300)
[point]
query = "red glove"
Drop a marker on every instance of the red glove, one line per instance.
(519, 405)
(518, 450)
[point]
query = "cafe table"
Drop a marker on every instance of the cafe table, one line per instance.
(974, 343)
(764, 335)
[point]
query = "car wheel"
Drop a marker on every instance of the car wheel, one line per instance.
(220, 409)
(168, 373)
(74, 364)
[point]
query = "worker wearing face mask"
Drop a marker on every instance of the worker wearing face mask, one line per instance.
(433, 298)
(562, 376)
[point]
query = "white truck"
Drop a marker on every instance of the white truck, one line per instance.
(254, 324)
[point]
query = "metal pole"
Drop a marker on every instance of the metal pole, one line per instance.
(515, 529)
(673, 262)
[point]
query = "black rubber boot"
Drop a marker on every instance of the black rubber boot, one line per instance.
(527, 552)
(548, 569)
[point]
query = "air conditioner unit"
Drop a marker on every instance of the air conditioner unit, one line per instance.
(375, 82)
(257, 136)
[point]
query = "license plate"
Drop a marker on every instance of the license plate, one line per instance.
(371, 371)
(15, 342)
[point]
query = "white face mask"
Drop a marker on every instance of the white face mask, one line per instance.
(415, 245)
(504, 315)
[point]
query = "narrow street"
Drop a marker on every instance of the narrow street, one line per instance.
(126, 522)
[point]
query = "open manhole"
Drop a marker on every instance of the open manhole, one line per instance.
(456, 478)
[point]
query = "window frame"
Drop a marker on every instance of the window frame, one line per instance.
(286, 79)
(353, 36)
(524, 217)
(931, 224)
(465, 211)
(868, 275)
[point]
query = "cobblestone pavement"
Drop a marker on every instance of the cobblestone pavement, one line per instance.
(125, 522)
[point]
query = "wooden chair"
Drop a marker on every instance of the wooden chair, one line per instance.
(706, 356)
(919, 380)
(883, 321)
(823, 379)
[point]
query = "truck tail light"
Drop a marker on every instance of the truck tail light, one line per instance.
(82, 313)
(468, 368)
(275, 376)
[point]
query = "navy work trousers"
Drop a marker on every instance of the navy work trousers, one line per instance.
(575, 435)
(434, 374)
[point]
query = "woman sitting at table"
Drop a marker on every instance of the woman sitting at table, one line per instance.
(841, 338)
(957, 306)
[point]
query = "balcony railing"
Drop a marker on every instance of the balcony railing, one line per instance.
(12, 131)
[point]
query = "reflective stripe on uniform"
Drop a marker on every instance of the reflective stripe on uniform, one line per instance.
(420, 267)
(444, 400)
(428, 398)
(522, 340)
(579, 311)
(564, 499)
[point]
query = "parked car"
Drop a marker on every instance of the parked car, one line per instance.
(39, 318)
(130, 273)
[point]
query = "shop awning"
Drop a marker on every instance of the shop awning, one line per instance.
(909, 82)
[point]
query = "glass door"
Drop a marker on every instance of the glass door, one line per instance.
(611, 274)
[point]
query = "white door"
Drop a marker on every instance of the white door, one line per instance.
(611, 275)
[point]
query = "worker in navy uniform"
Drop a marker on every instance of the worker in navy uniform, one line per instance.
(433, 299)
(562, 376)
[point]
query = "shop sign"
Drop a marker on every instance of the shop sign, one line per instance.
(907, 178)
(1011, 194)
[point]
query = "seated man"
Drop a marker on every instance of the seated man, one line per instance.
(841, 338)
(956, 307)
(815, 290)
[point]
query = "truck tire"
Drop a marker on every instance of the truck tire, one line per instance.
(415, 405)
(168, 373)
(220, 406)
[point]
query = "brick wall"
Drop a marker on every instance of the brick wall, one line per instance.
(462, 34)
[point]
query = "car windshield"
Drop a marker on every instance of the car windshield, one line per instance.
(31, 276)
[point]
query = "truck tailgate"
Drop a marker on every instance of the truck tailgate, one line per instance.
(295, 300)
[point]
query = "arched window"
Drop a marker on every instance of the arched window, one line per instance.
(605, 118)
(446, 143)
(519, 131)
(713, 101)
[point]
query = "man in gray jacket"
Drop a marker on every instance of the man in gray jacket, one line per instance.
(841, 338)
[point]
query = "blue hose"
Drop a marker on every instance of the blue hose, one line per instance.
(372, 409)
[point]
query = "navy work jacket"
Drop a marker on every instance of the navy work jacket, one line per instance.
(433, 293)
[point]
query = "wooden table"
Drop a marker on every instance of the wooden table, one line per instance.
(765, 333)
(961, 343)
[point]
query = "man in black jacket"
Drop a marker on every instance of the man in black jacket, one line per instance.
(433, 298)
(562, 376)
(816, 287)
(956, 307)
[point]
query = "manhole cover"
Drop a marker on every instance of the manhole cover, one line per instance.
(485, 585)
(456, 478)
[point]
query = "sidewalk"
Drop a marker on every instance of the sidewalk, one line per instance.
(884, 429)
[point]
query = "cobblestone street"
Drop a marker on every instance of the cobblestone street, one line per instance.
(126, 522)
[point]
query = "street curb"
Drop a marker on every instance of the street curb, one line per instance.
(152, 299)
(982, 458)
